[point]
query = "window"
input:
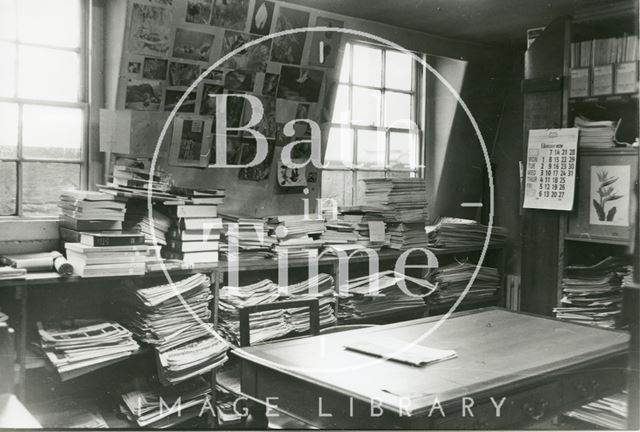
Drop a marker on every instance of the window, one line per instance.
(374, 129)
(43, 110)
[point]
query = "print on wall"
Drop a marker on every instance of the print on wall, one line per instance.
(172, 96)
(259, 172)
(192, 45)
(270, 84)
(325, 45)
(234, 150)
(143, 95)
(262, 16)
(208, 104)
(267, 125)
(609, 195)
(154, 68)
(231, 14)
(253, 58)
(291, 177)
(191, 142)
(150, 30)
(183, 74)
(199, 11)
(288, 48)
(239, 80)
(300, 84)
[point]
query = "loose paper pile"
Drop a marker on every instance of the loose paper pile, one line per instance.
(453, 279)
(245, 238)
(596, 134)
(397, 199)
(407, 236)
(320, 287)
(296, 236)
(8, 273)
(137, 218)
(609, 413)
(357, 227)
(451, 233)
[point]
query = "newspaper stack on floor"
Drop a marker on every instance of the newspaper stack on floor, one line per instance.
(609, 413)
(379, 294)
(156, 407)
(452, 280)
(452, 233)
(596, 134)
(245, 238)
(320, 287)
(397, 199)
(297, 236)
(174, 318)
(263, 325)
(593, 294)
(84, 346)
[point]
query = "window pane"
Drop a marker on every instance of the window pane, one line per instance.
(42, 184)
(367, 65)
(52, 132)
(397, 110)
(50, 22)
(8, 20)
(398, 70)
(403, 150)
(339, 148)
(361, 188)
(338, 185)
(341, 111)
(346, 62)
(8, 130)
(366, 106)
(8, 188)
(7, 69)
(371, 149)
(48, 74)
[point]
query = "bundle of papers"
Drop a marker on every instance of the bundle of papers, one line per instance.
(99, 261)
(174, 319)
(407, 236)
(8, 273)
(453, 279)
(245, 238)
(451, 233)
(596, 134)
(320, 287)
(397, 199)
(139, 177)
(137, 218)
(88, 211)
(263, 325)
(163, 407)
(609, 413)
(297, 236)
(380, 294)
(84, 346)
(592, 294)
(354, 226)
(401, 351)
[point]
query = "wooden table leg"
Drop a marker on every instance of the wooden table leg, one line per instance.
(21, 296)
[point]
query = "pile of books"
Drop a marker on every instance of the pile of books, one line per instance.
(136, 176)
(604, 51)
(245, 238)
(397, 199)
(380, 294)
(406, 236)
(320, 287)
(453, 279)
(609, 413)
(83, 346)
(453, 233)
(174, 319)
(296, 236)
(596, 134)
(87, 211)
(137, 219)
(227, 410)
(263, 325)
(593, 294)
(153, 406)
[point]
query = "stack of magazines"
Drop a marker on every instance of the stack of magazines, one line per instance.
(263, 325)
(366, 229)
(452, 280)
(406, 236)
(174, 318)
(596, 134)
(451, 233)
(593, 294)
(609, 413)
(245, 238)
(137, 218)
(320, 287)
(83, 346)
(397, 199)
(296, 236)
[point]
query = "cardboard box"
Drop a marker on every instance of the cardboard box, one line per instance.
(602, 80)
(579, 82)
(626, 77)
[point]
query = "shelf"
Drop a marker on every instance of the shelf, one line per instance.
(623, 98)
(597, 240)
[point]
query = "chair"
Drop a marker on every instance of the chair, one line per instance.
(7, 358)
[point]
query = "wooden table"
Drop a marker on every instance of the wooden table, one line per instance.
(13, 415)
(541, 366)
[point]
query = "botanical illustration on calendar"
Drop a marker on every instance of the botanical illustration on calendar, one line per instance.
(609, 195)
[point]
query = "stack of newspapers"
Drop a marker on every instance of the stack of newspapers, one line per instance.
(297, 236)
(174, 319)
(397, 199)
(320, 287)
(406, 236)
(596, 134)
(609, 413)
(354, 229)
(452, 280)
(245, 238)
(451, 233)
(83, 346)
(137, 218)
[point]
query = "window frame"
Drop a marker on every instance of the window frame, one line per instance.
(418, 114)
(83, 104)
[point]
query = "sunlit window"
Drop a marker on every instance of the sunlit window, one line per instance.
(43, 108)
(375, 130)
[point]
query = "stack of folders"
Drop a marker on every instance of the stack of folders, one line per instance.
(153, 406)
(174, 318)
(83, 346)
(406, 236)
(263, 325)
(609, 413)
(87, 211)
(245, 238)
(452, 233)
(593, 294)
(380, 294)
(137, 218)
(297, 236)
(453, 279)
(320, 287)
(397, 199)
(596, 134)
(109, 254)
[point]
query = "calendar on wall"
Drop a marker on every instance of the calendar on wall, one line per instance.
(550, 169)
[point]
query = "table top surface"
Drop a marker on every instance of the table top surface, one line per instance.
(14, 415)
(495, 348)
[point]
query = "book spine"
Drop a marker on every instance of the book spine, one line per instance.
(112, 241)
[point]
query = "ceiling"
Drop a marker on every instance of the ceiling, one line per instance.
(497, 22)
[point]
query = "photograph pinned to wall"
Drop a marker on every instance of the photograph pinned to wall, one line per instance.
(312, 177)
(267, 125)
(163, 2)
(258, 172)
(288, 48)
(231, 14)
(191, 142)
(150, 30)
(325, 45)
(154, 68)
(300, 84)
(143, 95)
(610, 195)
(253, 58)
(208, 104)
(172, 96)
(192, 45)
(262, 17)
(214, 75)
(134, 66)
(234, 150)
(239, 80)
(199, 11)
(291, 178)
(183, 74)
(270, 84)
(235, 108)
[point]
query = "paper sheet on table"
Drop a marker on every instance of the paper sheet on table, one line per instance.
(401, 351)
